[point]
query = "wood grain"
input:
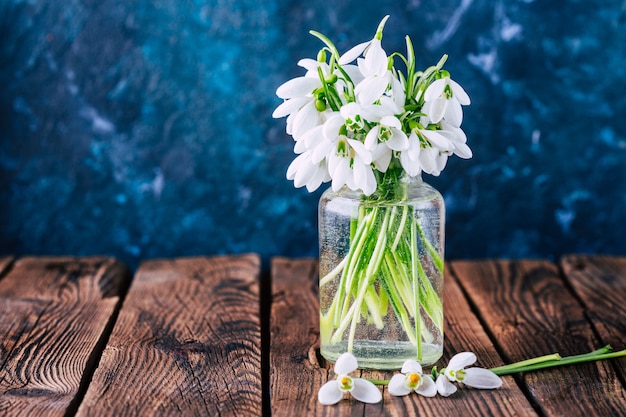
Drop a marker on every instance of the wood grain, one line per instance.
(600, 282)
(5, 263)
(297, 373)
(187, 342)
(530, 312)
(54, 318)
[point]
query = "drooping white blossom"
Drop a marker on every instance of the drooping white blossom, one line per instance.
(352, 123)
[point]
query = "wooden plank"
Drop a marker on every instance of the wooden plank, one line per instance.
(55, 314)
(187, 342)
(600, 282)
(530, 312)
(5, 263)
(297, 372)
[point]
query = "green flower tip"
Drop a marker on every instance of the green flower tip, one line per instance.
(379, 31)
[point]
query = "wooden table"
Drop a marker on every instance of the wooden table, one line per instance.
(217, 336)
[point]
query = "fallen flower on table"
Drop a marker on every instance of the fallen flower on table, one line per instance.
(361, 389)
(411, 377)
(472, 377)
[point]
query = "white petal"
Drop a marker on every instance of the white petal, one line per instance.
(353, 53)
(427, 388)
(371, 139)
(290, 106)
(381, 157)
(459, 93)
(365, 391)
(462, 150)
(341, 176)
(397, 385)
(414, 146)
(309, 64)
(321, 150)
(427, 160)
(374, 113)
(435, 90)
(316, 180)
(297, 87)
(398, 140)
(300, 147)
(330, 393)
(312, 137)
(364, 177)
(371, 89)
(411, 167)
(411, 366)
(399, 97)
(353, 72)
(375, 62)
(452, 132)
(461, 360)
(454, 113)
(348, 111)
(437, 109)
(441, 161)
(445, 387)
(361, 151)
(332, 126)
(437, 140)
(391, 121)
(295, 166)
(306, 171)
(307, 118)
(481, 378)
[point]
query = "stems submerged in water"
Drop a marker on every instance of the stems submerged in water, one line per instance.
(387, 286)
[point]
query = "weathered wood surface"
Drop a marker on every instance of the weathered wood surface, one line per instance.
(5, 262)
(187, 342)
(600, 283)
(54, 315)
(529, 310)
(297, 375)
(194, 337)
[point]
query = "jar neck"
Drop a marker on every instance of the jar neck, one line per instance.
(394, 188)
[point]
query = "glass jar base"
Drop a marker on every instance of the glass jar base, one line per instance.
(383, 355)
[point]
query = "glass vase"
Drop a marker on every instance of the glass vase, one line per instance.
(381, 274)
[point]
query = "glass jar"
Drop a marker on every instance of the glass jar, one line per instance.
(381, 274)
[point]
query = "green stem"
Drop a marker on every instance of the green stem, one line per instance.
(544, 362)
(569, 360)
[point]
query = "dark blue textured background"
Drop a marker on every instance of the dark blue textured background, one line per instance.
(142, 128)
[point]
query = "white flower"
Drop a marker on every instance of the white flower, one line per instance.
(412, 379)
(409, 158)
(349, 162)
(300, 101)
(304, 171)
(443, 99)
(374, 67)
(473, 377)
(332, 391)
(388, 131)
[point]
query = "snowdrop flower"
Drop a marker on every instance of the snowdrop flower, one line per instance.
(443, 99)
(374, 67)
(388, 131)
(473, 377)
(302, 99)
(332, 392)
(305, 171)
(412, 379)
(349, 162)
